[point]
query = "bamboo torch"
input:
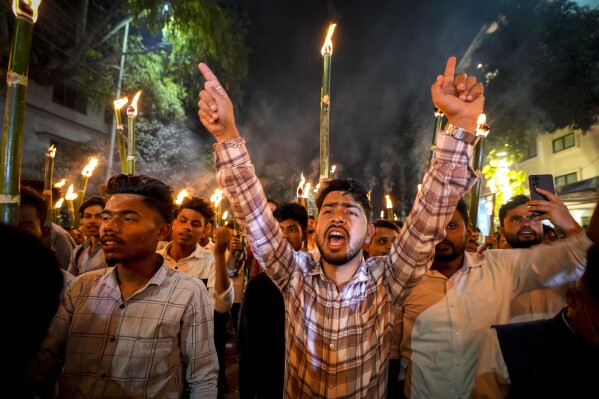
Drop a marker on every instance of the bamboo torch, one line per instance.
(325, 103)
(118, 104)
(481, 130)
(56, 210)
(438, 119)
(70, 197)
(300, 193)
(131, 114)
(216, 198)
(85, 175)
(389, 207)
(14, 111)
(48, 172)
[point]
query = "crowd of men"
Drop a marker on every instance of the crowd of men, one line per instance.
(335, 307)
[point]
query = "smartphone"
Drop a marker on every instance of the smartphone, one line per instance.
(542, 181)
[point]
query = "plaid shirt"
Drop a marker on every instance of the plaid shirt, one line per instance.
(156, 344)
(338, 343)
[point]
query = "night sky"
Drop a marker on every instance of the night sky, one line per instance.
(386, 55)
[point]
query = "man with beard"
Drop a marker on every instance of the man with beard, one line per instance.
(89, 255)
(464, 293)
(522, 231)
(339, 311)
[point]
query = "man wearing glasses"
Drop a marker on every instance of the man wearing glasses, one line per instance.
(552, 358)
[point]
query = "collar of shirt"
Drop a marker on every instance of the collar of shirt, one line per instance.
(199, 252)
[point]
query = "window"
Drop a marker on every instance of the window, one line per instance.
(71, 98)
(566, 179)
(563, 142)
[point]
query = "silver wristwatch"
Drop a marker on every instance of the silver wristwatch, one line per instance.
(461, 134)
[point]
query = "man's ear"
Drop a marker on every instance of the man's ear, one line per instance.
(164, 231)
(370, 233)
(45, 231)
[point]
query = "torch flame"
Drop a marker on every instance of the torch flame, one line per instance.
(327, 47)
(333, 168)
(389, 203)
(51, 151)
(132, 109)
(225, 215)
(71, 195)
(118, 104)
(316, 188)
(29, 9)
(87, 171)
(482, 129)
(300, 187)
(216, 197)
(181, 196)
(60, 183)
(59, 203)
(307, 190)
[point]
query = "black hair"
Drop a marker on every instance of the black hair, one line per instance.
(31, 197)
(347, 186)
(157, 195)
(91, 201)
(512, 203)
(38, 185)
(294, 211)
(388, 223)
(462, 208)
(200, 205)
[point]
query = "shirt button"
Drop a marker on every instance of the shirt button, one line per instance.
(112, 339)
(103, 375)
(457, 363)
(122, 306)
(332, 346)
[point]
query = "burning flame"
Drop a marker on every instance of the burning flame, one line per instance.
(59, 203)
(389, 203)
(216, 197)
(29, 9)
(419, 186)
(70, 194)
(316, 188)
(333, 168)
(181, 196)
(482, 129)
(87, 171)
(60, 183)
(225, 215)
(327, 47)
(118, 104)
(132, 109)
(51, 151)
(382, 214)
(300, 187)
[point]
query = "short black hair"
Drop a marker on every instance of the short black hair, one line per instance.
(294, 211)
(38, 185)
(388, 223)
(91, 201)
(462, 208)
(512, 203)
(347, 186)
(200, 205)
(274, 201)
(31, 197)
(157, 195)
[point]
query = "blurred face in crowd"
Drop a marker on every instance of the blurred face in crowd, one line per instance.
(292, 230)
(457, 235)
(520, 229)
(381, 242)
(188, 227)
(29, 220)
(92, 220)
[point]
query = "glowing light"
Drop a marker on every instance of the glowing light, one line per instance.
(29, 9)
(132, 109)
(60, 183)
(389, 203)
(181, 196)
(327, 47)
(59, 203)
(71, 195)
(51, 151)
(89, 168)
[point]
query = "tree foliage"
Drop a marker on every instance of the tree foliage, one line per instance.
(546, 54)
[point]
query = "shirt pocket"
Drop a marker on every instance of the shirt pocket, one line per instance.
(482, 309)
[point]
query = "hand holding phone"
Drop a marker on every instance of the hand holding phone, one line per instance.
(542, 181)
